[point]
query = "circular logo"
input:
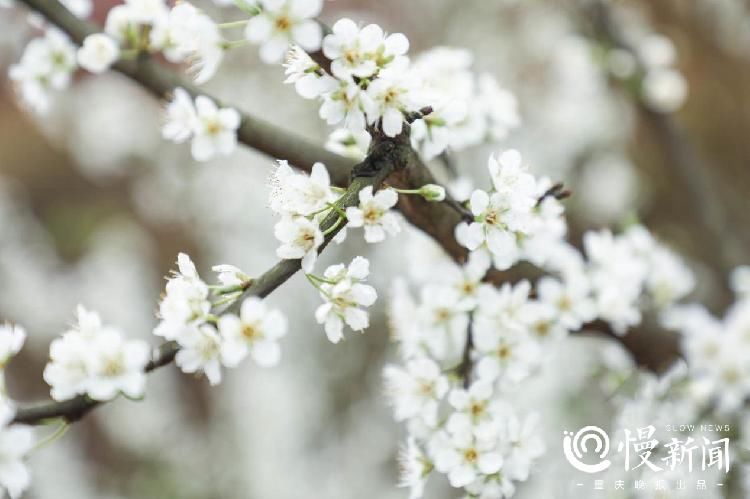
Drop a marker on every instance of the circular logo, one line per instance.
(575, 446)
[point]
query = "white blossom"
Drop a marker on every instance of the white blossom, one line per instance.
(310, 81)
(443, 321)
(465, 453)
(98, 53)
(215, 131)
(12, 338)
(300, 239)
(283, 22)
(570, 299)
(16, 441)
(185, 303)
(298, 193)
(201, 350)
(96, 360)
(373, 213)
(414, 467)
(256, 332)
(390, 96)
(345, 298)
(665, 90)
(187, 34)
(46, 66)
(416, 389)
(352, 144)
(116, 366)
(229, 275)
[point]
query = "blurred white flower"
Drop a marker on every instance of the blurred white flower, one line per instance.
(116, 366)
(416, 389)
(181, 117)
(414, 467)
(213, 129)
(373, 213)
(229, 275)
(98, 53)
(352, 144)
(81, 8)
(12, 338)
(665, 90)
(256, 332)
(201, 350)
(464, 455)
(472, 406)
(571, 299)
(16, 442)
(740, 281)
(284, 22)
(95, 360)
(216, 130)
(46, 65)
(187, 34)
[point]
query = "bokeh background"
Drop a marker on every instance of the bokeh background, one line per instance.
(94, 207)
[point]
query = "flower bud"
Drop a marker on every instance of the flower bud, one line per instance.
(432, 192)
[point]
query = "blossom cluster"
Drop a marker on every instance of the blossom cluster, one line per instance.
(371, 79)
(46, 66)
(96, 360)
(208, 342)
(716, 349)
(466, 344)
(303, 202)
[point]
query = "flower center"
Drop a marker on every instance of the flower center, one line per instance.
(564, 303)
(468, 287)
(391, 96)
(470, 455)
(442, 314)
(213, 127)
(504, 351)
(372, 214)
(350, 56)
(283, 23)
(251, 332)
(492, 218)
(477, 408)
(113, 367)
(426, 388)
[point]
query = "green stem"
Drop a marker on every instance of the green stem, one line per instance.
(338, 210)
(320, 279)
(334, 226)
(58, 433)
(234, 24)
(234, 44)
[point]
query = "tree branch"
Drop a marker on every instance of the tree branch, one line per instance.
(438, 220)
(386, 156)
